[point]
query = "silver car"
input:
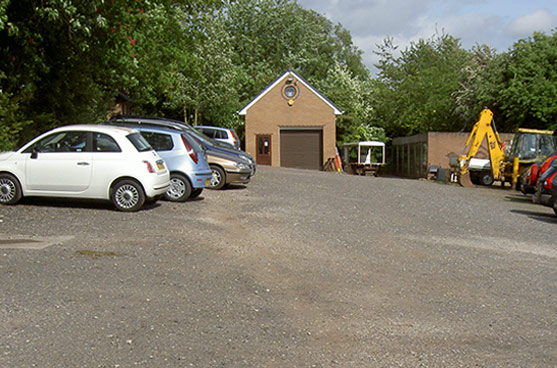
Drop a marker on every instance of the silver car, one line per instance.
(185, 158)
(225, 135)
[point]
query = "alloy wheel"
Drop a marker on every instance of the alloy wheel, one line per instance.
(8, 190)
(126, 196)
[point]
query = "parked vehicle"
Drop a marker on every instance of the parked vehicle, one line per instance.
(225, 135)
(85, 161)
(185, 159)
(529, 177)
(528, 146)
(228, 165)
(361, 158)
(227, 169)
(546, 188)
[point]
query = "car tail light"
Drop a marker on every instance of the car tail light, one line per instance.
(149, 167)
(234, 138)
(189, 148)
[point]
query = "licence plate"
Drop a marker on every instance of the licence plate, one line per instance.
(207, 181)
(160, 165)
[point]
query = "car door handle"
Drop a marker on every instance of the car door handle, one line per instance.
(83, 163)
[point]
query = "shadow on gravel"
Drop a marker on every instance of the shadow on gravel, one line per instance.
(545, 217)
(76, 203)
(196, 199)
(234, 187)
(518, 198)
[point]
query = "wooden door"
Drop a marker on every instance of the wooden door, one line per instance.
(263, 156)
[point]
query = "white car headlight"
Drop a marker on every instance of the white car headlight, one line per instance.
(241, 165)
(248, 159)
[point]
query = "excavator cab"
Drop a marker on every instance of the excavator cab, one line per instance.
(530, 144)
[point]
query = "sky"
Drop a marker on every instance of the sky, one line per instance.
(496, 23)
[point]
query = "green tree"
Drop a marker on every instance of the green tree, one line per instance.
(268, 37)
(64, 60)
(418, 89)
(354, 97)
(204, 84)
(528, 92)
(480, 81)
(165, 52)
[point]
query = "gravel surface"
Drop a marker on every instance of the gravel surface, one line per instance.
(296, 269)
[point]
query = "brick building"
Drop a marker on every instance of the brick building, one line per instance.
(290, 124)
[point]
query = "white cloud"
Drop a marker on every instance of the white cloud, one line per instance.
(526, 25)
(497, 23)
(371, 16)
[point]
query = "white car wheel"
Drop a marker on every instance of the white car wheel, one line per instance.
(128, 196)
(10, 191)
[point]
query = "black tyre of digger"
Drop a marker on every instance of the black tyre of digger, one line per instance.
(486, 178)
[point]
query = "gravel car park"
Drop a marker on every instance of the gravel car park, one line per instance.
(299, 269)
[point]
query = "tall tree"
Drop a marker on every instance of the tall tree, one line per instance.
(480, 80)
(419, 87)
(63, 60)
(271, 36)
(204, 84)
(528, 94)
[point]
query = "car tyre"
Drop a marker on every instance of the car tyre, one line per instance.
(218, 179)
(127, 196)
(10, 190)
(196, 192)
(180, 188)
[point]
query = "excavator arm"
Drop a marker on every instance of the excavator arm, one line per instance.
(484, 128)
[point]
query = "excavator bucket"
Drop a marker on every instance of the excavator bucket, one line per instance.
(465, 181)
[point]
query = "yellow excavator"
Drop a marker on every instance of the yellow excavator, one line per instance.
(528, 146)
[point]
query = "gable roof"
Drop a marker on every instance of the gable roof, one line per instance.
(244, 110)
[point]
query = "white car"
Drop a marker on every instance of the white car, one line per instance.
(85, 161)
(224, 135)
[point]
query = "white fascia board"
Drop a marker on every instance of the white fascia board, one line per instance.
(244, 110)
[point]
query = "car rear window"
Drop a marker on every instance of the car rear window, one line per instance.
(208, 132)
(200, 137)
(139, 142)
(159, 141)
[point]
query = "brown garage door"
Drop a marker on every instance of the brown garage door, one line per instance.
(302, 149)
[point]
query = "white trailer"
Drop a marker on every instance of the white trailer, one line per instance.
(362, 158)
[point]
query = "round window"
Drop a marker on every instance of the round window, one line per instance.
(290, 91)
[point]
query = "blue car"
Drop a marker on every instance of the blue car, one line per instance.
(209, 143)
(185, 159)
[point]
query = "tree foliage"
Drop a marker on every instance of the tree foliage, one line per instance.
(528, 93)
(417, 91)
(64, 61)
